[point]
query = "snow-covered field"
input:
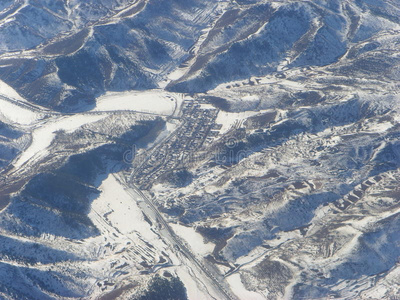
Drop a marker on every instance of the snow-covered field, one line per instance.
(194, 239)
(228, 119)
(44, 134)
(122, 211)
(119, 216)
(239, 289)
(154, 101)
(8, 91)
(17, 115)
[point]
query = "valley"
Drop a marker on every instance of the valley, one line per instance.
(193, 149)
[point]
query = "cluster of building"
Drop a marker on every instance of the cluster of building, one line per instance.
(197, 127)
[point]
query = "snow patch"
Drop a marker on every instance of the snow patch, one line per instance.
(228, 120)
(192, 286)
(153, 101)
(194, 239)
(240, 291)
(121, 209)
(9, 92)
(12, 113)
(251, 98)
(45, 133)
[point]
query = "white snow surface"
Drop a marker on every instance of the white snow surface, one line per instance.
(227, 119)
(117, 211)
(8, 91)
(44, 134)
(194, 239)
(152, 101)
(194, 291)
(14, 114)
(240, 291)
(121, 209)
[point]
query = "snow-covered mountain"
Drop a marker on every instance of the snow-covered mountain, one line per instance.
(62, 54)
(187, 149)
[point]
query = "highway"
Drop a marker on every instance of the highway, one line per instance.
(176, 243)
